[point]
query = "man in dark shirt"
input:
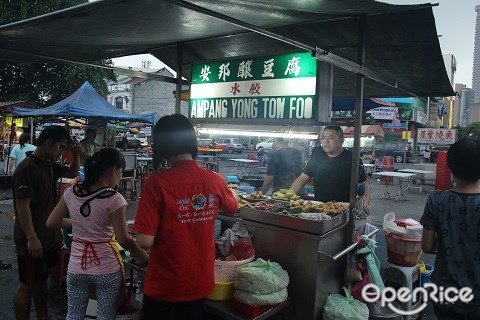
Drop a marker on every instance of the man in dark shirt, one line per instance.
(284, 166)
(331, 168)
(34, 197)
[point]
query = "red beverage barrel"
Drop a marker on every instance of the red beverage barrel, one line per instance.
(443, 176)
(387, 165)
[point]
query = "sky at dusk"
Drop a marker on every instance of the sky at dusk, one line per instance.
(455, 21)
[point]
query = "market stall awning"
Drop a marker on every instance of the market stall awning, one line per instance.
(345, 104)
(366, 130)
(86, 102)
(6, 106)
(401, 42)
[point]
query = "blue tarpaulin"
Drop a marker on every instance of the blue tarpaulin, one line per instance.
(86, 102)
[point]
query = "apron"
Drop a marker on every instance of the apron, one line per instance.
(89, 255)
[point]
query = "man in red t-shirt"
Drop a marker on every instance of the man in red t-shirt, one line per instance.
(175, 219)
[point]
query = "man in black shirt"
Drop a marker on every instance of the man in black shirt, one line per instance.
(284, 166)
(331, 168)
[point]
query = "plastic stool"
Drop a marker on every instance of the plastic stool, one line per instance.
(396, 276)
(64, 258)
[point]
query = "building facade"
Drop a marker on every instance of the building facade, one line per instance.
(463, 106)
(476, 59)
(139, 95)
(451, 66)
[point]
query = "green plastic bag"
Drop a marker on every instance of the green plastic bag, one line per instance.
(261, 299)
(261, 277)
(339, 307)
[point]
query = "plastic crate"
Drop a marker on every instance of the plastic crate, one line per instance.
(250, 310)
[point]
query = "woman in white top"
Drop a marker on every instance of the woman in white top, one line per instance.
(19, 152)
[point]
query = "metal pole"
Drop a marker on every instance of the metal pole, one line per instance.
(405, 150)
(12, 131)
(32, 130)
(178, 96)
(357, 130)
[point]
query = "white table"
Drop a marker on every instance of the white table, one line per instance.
(400, 176)
(244, 164)
(422, 178)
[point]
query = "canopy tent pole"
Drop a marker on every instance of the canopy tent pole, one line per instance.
(178, 96)
(32, 130)
(12, 131)
(357, 129)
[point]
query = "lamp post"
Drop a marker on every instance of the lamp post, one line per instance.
(405, 150)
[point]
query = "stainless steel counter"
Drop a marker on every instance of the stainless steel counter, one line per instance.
(305, 256)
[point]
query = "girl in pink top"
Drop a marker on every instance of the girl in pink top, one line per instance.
(98, 225)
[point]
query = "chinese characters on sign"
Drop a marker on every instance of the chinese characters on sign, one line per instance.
(385, 113)
(275, 87)
(437, 136)
(18, 121)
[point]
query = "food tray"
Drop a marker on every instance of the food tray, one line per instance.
(295, 223)
(264, 205)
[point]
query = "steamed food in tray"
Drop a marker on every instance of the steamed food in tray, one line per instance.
(285, 195)
(329, 207)
(289, 212)
(256, 196)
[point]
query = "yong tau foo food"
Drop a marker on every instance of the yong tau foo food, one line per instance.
(256, 195)
(329, 207)
(285, 195)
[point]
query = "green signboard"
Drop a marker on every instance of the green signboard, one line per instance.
(275, 87)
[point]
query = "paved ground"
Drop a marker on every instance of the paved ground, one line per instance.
(412, 208)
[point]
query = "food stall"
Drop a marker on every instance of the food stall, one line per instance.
(304, 248)
(344, 45)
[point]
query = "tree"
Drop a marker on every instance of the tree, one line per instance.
(472, 130)
(43, 84)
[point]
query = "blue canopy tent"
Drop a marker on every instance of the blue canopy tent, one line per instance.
(86, 103)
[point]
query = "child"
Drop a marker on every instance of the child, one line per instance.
(451, 222)
(98, 221)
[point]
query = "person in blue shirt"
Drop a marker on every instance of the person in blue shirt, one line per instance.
(18, 152)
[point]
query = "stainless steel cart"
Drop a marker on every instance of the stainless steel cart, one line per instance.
(305, 249)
